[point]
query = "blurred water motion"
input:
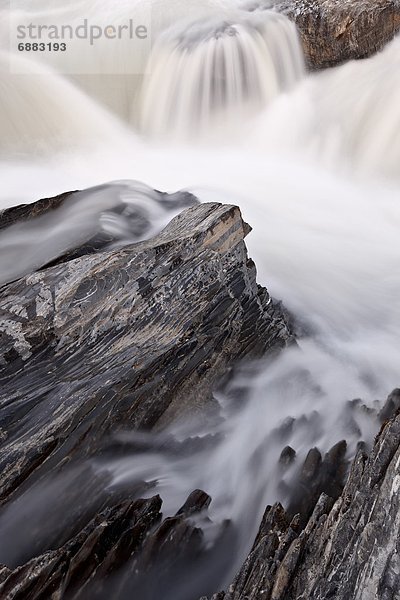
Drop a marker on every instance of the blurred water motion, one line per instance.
(314, 162)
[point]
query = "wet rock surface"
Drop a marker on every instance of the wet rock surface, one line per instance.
(348, 548)
(333, 32)
(127, 550)
(82, 222)
(317, 475)
(132, 337)
(106, 345)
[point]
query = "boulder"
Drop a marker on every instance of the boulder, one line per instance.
(333, 32)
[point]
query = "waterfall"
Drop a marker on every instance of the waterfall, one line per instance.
(347, 117)
(222, 65)
(42, 112)
(204, 73)
(112, 73)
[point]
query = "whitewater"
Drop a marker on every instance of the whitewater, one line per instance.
(227, 110)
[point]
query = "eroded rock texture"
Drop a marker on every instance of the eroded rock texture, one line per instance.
(333, 31)
(128, 337)
(347, 550)
(109, 338)
(125, 551)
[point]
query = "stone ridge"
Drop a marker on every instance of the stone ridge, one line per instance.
(135, 337)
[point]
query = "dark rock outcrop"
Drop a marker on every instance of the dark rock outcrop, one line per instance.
(132, 337)
(178, 307)
(109, 338)
(391, 406)
(83, 222)
(138, 336)
(124, 551)
(318, 475)
(111, 537)
(333, 32)
(348, 549)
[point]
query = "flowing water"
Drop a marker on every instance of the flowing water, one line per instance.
(214, 71)
(227, 111)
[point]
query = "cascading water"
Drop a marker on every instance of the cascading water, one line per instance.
(210, 74)
(348, 116)
(220, 68)
(105, 216)
(327, 245)
(110, 72)
(40, 112)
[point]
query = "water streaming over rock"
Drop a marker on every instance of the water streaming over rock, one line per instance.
(326, 244)
(211, 73)
(347, 117)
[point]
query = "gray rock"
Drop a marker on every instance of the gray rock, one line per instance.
(118, 338)
(348, 549)
(391, 406)
(103, 340)
(108, 338)
(125, 551)
(82, 222)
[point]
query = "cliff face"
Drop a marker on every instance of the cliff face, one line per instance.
(335, 31)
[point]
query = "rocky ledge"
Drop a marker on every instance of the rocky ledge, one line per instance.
(130, 337)
(102, 339)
